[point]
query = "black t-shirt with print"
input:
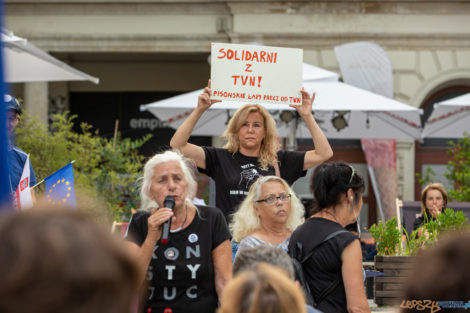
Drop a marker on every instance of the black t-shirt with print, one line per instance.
(324, 266)
(181, 273)
(234, 174)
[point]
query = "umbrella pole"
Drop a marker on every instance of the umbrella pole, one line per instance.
(291, 140)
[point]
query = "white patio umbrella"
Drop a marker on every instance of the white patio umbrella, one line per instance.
(368, 115)
(24, 62)
(449, 119)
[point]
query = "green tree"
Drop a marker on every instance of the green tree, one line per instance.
(105, 169)
(428, 177)
(459, 168)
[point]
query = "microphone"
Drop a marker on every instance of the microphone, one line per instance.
(169, 202)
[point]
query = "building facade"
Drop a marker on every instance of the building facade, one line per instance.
(147, 50)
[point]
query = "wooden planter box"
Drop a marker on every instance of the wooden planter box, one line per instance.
(388, 289)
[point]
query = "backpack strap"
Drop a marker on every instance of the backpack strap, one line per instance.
(326, 292)
(332, 235)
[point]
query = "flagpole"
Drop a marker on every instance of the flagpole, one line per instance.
(43, 179)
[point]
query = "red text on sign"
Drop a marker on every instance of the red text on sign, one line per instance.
(247, 80)
(244, 55)
(295, 99)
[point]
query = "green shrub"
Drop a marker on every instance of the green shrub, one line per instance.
(387, 237)
(105, 169)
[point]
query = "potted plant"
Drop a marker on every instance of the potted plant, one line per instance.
(395, 258)
(390, 261)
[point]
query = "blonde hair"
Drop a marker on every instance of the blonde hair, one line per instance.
(245, 220)
(269, 145)
(170, 155)
(265, 289)
(433, 186)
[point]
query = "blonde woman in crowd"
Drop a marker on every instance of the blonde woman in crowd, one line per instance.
(263, 290)
(268, 215)
(252, 150)
(433, 203)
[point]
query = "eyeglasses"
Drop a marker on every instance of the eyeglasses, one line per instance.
(352, 174)
(273, 199)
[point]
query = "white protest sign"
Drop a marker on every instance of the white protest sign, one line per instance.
(256, 73)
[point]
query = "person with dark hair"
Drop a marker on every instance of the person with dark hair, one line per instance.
(16, 157)
(433, 203)
(61, 261)
(188, 271)
(334, 269)
(441, 276)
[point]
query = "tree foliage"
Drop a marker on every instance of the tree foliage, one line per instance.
(458, 168)
(106, 169)
(427, 178)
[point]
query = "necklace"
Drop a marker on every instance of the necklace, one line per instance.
(181, 226)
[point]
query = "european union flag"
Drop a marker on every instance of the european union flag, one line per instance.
(60, 187)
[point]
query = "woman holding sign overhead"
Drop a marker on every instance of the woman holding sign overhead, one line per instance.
(252, 149)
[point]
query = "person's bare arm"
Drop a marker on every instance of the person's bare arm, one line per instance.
(353, 278)
(180, 138)
(323, 149)
(222, 258)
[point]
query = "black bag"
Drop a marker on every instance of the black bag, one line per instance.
(298, 261)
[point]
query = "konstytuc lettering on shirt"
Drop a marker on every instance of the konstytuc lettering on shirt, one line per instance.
(172, 254)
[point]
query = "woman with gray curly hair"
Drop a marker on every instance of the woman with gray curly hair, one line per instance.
(186, 272)
(268, 215)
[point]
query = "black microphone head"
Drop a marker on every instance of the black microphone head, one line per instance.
(169, 202)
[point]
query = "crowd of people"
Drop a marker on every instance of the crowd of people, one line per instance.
(181, 257)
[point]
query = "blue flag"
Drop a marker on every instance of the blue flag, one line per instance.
(5, 202)
(60, 187)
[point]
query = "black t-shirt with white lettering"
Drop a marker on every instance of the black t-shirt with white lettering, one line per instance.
(181, 273)
(234, 174)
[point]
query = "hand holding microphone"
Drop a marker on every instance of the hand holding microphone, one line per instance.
(169, 202)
